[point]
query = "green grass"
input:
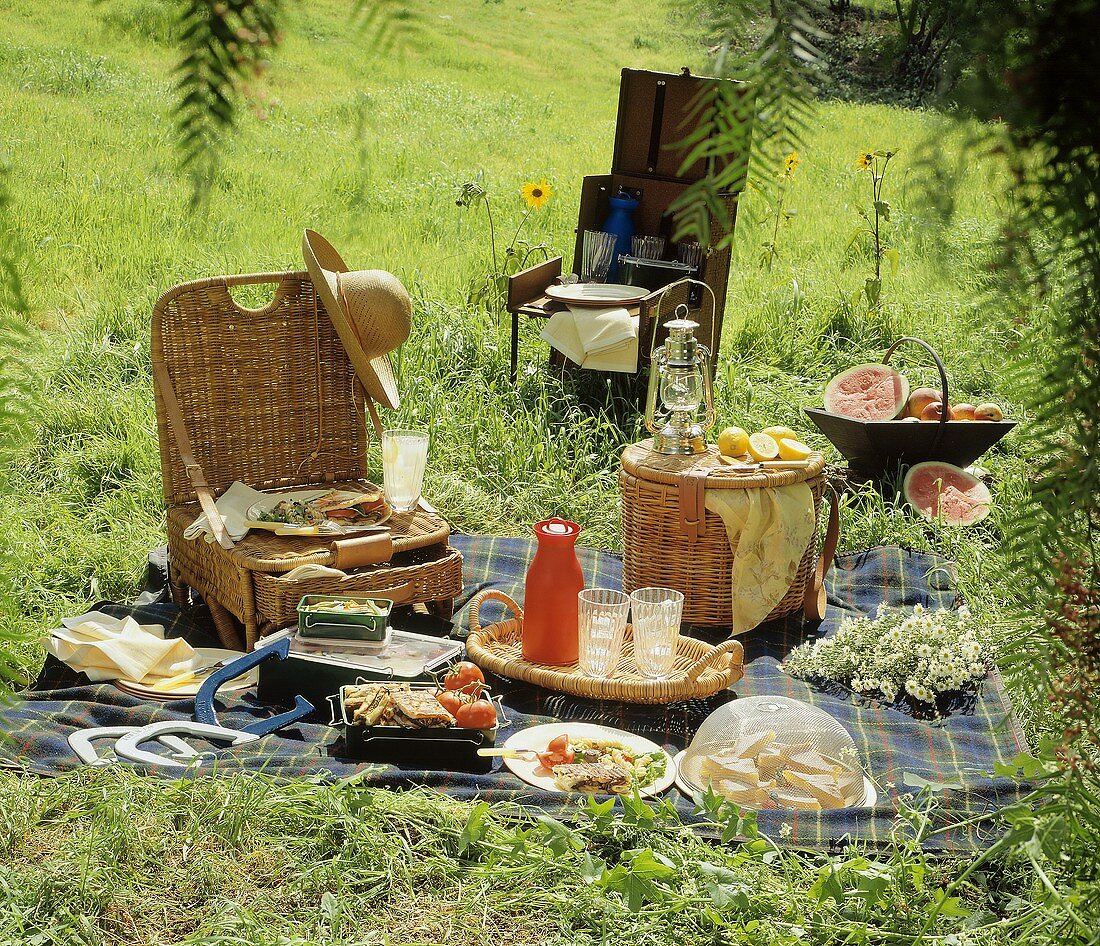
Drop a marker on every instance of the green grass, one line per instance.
(509, 90)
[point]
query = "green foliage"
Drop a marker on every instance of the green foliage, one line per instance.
(764, 113)
(224, 46)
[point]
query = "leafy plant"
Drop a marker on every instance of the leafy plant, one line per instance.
(768, 47)
(778, 215)
(875, 163)
(490, 291)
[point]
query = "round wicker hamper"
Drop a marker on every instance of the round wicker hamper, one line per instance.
(671, 541)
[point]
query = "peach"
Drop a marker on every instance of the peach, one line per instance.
(988, 411)
(933, 411)
(963, 412)
(920, 399)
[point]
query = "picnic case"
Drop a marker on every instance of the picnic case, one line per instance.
(657, 111)
(268, 396)
(670, 540)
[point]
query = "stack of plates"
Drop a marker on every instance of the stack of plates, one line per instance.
(204, 657)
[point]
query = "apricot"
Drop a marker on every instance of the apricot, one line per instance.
(963, 412)
(988, 411)
(933, 411)
(920, 399)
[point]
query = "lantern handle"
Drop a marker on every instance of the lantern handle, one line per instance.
(661, 298)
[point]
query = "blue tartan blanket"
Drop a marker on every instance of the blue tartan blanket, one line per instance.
(960, 748)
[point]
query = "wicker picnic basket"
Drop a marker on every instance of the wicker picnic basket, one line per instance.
(701, 670)
(671, 540)
(268, 396)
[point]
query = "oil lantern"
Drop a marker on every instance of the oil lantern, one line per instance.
(680, 380)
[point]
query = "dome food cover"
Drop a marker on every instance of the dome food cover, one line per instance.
(773, 752)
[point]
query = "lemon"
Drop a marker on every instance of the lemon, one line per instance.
(733, 442)
(791, 449)
(390, 450)
(763, 447)
(780, 433)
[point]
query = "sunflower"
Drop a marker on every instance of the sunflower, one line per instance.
(864, 161)
(791, 163)
(537, 194)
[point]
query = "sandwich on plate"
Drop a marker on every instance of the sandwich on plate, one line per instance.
(595, 777)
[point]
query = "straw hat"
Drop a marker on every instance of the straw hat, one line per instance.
(370, 310)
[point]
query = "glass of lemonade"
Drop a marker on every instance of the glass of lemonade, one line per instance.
(404, 456)
(656, 614)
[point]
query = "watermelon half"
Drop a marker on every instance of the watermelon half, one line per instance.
(867, 392)
(944, 492)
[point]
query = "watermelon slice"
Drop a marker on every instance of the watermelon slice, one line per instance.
(944, 492)
(867, 392)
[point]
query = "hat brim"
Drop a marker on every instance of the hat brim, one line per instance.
(325, 265)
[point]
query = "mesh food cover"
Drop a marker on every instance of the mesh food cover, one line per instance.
(773, 752)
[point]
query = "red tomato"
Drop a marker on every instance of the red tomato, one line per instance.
(465, 676)
(480, 714)
(449, 701)
(557, 753)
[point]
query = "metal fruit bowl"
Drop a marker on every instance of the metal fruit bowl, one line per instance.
(875, 448)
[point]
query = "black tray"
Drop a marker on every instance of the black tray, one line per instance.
(875, 448)
(452, 749)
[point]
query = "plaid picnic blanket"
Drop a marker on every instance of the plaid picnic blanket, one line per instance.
(961, 748)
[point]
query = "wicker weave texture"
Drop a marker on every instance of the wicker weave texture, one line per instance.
(429, 574)
(701, 670)
(657, 551)
(269, 394)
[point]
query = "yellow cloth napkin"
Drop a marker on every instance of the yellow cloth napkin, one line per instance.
(769, 530)
(109, 648)
(598, 339)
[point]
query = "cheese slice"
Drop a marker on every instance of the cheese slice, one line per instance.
(809, 762)
(787, 799)
(823, 788)
(741, 770)
(751, 745)
(769, 762)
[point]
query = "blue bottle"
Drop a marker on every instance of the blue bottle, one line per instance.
(620, 222)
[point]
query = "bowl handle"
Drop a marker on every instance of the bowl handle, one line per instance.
(491, 594)
(939, 364)
(731, 646)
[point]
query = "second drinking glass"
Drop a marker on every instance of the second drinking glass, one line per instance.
(656, 616)
(404, 456)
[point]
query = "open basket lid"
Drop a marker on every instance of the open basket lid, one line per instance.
(645, 463)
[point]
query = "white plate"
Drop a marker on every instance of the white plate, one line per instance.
(204, 657)
(328, 527)
(597, 294)
(870, 793)
(538, 737)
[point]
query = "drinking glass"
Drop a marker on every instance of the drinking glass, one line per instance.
(597, 249)
(404, 456)
(601, 626)
(690, 253)
(647, 247)
(656, 615)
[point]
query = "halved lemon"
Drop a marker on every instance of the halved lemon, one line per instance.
(762, 446)
(733, 442)
(780, 433)
(790, 449)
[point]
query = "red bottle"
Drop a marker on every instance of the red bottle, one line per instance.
(554, 580)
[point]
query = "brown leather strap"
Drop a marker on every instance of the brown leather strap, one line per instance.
(375, 419)
(190, 464)
(363, 550)
(815, 601)
(693, 508)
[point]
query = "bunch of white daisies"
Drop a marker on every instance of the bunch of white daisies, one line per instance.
(921, 652)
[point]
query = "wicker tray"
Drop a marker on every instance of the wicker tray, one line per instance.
(701, 670)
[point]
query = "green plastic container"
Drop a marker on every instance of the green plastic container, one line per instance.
(344, 625)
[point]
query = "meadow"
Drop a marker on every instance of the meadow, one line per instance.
(370, 150)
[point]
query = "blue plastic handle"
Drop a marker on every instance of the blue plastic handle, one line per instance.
(204, 699)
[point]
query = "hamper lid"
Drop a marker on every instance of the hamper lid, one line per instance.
(642, 461)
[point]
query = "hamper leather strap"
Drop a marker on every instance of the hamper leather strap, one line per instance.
(814, 603)
(693, 505)
(190, 464)
(364, 550)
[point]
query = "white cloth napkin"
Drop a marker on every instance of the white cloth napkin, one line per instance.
(311, 570)
(109, 648)
(233, 504)
(598, 339)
